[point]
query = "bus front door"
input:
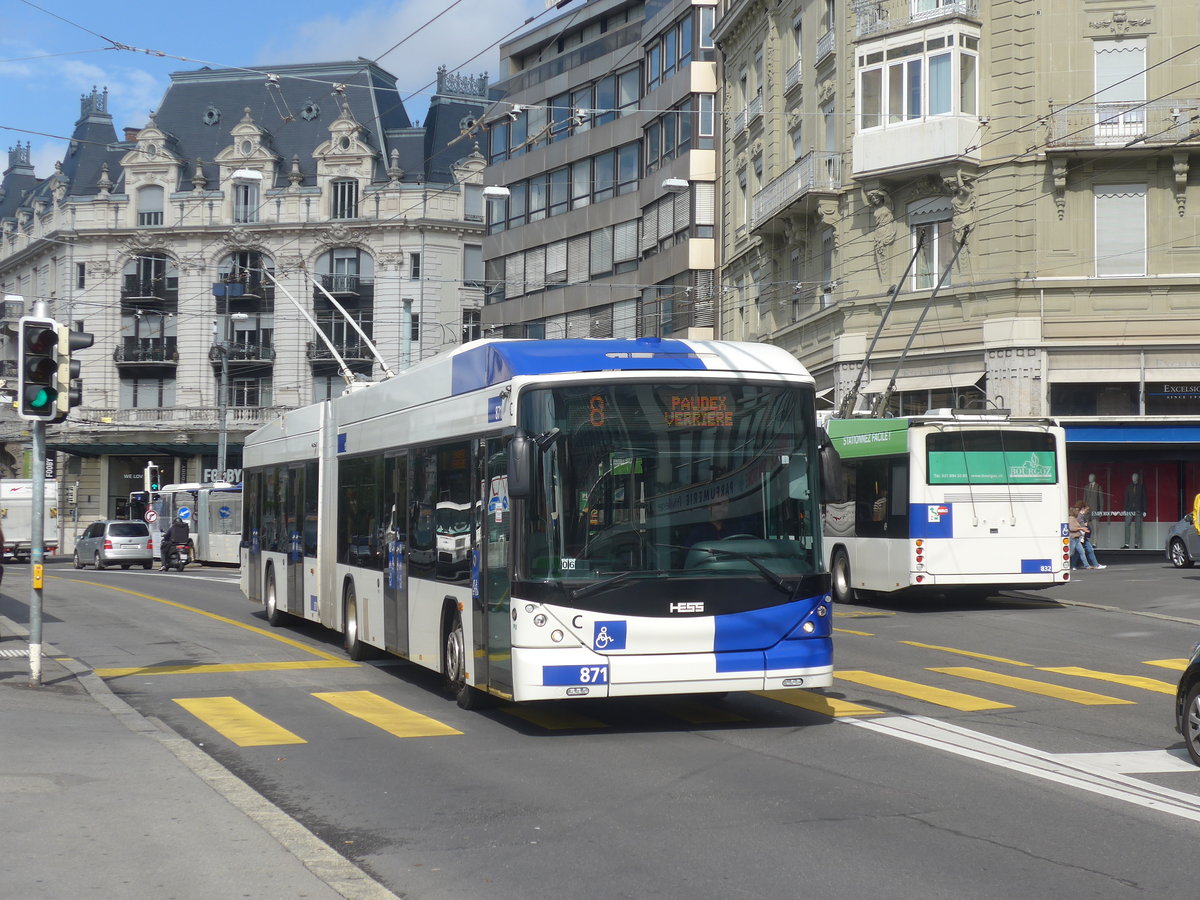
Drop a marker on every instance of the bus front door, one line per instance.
(293, 525)
(492, 574)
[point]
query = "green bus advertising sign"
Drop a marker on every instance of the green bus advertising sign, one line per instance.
(858, 438)
(992, 467)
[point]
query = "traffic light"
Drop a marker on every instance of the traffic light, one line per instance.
(151, 477)
(70, 391)
(37, 369)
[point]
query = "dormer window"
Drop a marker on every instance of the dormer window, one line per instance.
(344, 199)
(150, 205)
(245, 202)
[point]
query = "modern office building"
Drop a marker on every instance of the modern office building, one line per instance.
(209, 252)
(601, 174)
(1049, 147)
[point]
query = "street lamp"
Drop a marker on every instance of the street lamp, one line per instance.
(223, 398)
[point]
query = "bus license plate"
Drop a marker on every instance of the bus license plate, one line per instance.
(554, 676)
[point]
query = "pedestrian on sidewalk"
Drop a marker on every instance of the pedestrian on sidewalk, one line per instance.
(1074, 532)
(1087, 550)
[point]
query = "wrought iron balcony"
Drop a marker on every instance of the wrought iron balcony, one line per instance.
(146, 351)
(896, 15)
(817, 170)
(149, 290)
(792, 77)
(348, 285)
(1140, 124)
(242, 352)
(317, 351)
(244, 287)
(824, 46)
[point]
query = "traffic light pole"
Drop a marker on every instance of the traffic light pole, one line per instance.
(37, 553)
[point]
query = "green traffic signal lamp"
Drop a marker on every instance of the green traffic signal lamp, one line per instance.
(37, 369)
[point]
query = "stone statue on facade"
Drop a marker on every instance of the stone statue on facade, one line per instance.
(883, 232)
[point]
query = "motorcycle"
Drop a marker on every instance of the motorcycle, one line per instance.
(179, 556)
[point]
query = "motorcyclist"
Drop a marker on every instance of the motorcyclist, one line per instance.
(177, 534)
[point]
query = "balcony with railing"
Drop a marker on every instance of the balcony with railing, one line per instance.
(1139, 124)
(824, 46)
(754, 110)
(146, 352)
(354, 287)
(249, 347)
(817, 171)
(192, 418)
(149, 291)
(792, 77)
(896, 15)
(350, 351)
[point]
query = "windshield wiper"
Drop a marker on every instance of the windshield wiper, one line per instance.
(587, 589)
(767, 574)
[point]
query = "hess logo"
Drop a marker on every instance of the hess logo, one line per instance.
(690, 607)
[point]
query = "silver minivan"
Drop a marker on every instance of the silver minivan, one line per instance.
(115, 542)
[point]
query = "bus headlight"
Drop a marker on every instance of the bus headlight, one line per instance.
(539, 620)
(556, 636)
(808, 627)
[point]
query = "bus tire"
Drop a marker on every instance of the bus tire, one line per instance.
(454, 664)
(839, 575)
(355, 648)
(275, 616)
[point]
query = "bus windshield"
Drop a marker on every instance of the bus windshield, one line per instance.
(670, 480)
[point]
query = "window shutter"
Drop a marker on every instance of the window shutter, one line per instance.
(579, 324)
(1120, 71)
(514, 275)
(683, 211)
(535, 269)
(666, 218)
(625, 241)
(556, 262)
(705, 203)
(1121, 229)
(601, 322)
(649, 227)
(624, 319)
(577, 260)
(602, 247)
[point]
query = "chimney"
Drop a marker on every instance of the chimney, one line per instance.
(131, 134)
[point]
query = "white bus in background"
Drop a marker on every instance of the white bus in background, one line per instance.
(213, 512)
(520, 516)
(16, 517)
(953, 501)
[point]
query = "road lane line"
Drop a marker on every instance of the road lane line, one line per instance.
(209, 668)
(970, 653)
(383, 713)
(1134, 762)
(1137, 681)
(1030, 761)
(833, 707)
(1177, 665)
(238, 722)
(852, 631)
(320, 654)
(1029, 686)
(925, 692)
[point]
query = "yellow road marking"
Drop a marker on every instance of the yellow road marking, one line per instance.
(926, 692)
(863, 614)
(973, 655)
(697, 713)
(1146, 684)
(208, 668)
(852, 631)
(383, 713)
(238, 722)
(1045, 689)
(1177, 665)
(551, 721)
(819, 703)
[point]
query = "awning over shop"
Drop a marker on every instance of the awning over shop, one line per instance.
(925, 382)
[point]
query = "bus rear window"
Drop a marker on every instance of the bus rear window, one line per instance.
(994, 456)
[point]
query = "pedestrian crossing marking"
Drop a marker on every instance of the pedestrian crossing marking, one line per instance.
(552, 720)
(383, 713)
(1138, 681)
(697, 713)
(1177, 665)
(928, 693)
(210, 668)
(819, 703)
(970, 653)
(238, 722)
(1045, 689)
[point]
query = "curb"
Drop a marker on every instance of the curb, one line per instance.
(339, 873)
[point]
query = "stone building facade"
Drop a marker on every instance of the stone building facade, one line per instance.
(212, 247)
(1049, 147)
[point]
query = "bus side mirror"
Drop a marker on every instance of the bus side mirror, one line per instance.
(520, 466)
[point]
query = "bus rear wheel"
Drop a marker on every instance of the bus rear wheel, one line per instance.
(355, 648)
(275, 615)
(839, 572)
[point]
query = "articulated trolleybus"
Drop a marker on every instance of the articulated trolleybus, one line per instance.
(550, 519)
(953, 501)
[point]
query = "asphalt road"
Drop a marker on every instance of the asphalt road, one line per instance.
(1019, 746)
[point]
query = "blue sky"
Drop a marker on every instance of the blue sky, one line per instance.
(41, 91)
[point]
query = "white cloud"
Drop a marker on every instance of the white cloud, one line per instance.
(464, 31)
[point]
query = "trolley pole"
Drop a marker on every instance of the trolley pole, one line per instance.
(37, 553)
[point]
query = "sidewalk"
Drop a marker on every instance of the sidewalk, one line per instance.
(96, 801)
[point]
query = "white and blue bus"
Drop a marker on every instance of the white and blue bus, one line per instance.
(534, 519)
(212, 510)
(954, 501)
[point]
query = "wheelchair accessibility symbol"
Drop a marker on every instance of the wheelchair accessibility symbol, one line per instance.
(609, 636)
